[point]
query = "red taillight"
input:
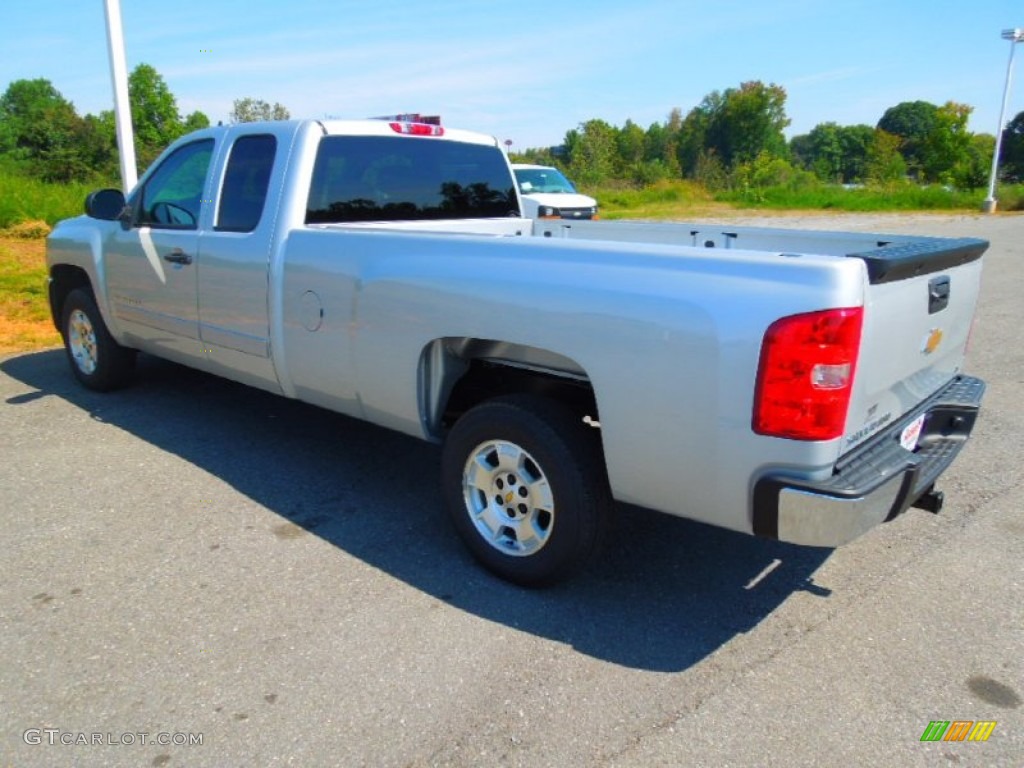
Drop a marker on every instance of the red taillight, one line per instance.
(806, 373)
(417, 129)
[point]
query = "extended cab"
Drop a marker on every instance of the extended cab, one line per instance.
(803, 386)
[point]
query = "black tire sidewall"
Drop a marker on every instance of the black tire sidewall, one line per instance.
(113, 362)
(566, 456)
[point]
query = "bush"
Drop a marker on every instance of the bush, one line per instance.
(1011, 198)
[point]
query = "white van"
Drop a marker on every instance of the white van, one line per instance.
(547, 194)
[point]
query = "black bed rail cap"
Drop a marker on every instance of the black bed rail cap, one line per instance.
(920, 256)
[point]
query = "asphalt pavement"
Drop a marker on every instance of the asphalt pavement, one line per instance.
(196, 573)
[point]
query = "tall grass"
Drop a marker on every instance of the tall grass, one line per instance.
(663, 199)
(676, 199)
(895, 197)
(26, 199)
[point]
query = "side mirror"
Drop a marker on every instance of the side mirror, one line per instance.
(105, 204)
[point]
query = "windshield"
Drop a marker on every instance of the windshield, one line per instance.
(546, 180)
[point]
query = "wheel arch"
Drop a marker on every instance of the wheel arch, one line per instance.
(457, 373)
(64, 278)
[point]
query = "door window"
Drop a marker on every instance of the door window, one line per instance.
(173, 195)
(245, 183)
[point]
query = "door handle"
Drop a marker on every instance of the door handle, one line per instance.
(178, 256)
(938, 294)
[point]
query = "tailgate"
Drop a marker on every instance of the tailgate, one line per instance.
(918, 310)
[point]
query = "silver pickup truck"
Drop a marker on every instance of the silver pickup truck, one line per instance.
(803, 386)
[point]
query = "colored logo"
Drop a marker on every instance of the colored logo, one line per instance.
(932, 342)
(958, 730)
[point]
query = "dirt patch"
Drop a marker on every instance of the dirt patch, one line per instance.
(24, 311)
(27, 230)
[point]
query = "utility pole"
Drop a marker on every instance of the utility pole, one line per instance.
(122, 105)
(1015, 36)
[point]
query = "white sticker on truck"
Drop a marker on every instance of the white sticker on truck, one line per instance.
(908, 439)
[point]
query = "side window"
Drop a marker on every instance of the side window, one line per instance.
(172, 196)
(246, 180)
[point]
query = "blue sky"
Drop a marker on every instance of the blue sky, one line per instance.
(529, 71)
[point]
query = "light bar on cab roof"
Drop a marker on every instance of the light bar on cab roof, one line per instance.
(417, 129)
(414, 124)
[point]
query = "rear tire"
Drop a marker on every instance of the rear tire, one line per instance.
(97, 361)
(524, 482)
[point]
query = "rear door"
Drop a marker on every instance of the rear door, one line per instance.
(233, 271)
(920, 304)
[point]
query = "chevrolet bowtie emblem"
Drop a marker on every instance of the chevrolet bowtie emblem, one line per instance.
(931, 343)
(508, 497)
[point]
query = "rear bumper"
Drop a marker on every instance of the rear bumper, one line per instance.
(876, 481)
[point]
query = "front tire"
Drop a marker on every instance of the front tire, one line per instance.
(97, 361)
(524, 482)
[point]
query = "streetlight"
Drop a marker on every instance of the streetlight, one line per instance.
(1014, 36)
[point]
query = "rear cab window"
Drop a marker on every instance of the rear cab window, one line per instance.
(383, 178)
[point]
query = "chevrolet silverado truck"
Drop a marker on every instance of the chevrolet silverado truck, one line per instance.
(796, 385)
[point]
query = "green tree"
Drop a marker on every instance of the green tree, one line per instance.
(884, 162)
(41, 130)
(693, 133)
(911, 121)
(155, 118)
(945, 149)
(630, 143)
(1011, 152)
(249, 110)
(736, 125)
(661, 145)
(33, 116)
(631, 146)
(750, 121)
(820, 151)
(593, 155)
(195, 121)
(974, 174)
(856, 141)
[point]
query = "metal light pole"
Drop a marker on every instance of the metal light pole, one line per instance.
(1014, 36)
(122, 106)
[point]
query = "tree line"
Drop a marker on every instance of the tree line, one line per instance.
(735, 138)
(42, 135)
(732, 139)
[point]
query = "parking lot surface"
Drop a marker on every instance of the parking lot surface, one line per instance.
(192, 560)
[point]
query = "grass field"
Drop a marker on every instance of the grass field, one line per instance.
(686, 200)
(24, 312)
(25, 199)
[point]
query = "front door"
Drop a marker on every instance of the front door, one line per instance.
(152, 262)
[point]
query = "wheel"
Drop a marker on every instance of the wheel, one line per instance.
(97, 360)
(525, 485)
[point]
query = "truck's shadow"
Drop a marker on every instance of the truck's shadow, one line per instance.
(664, 594)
